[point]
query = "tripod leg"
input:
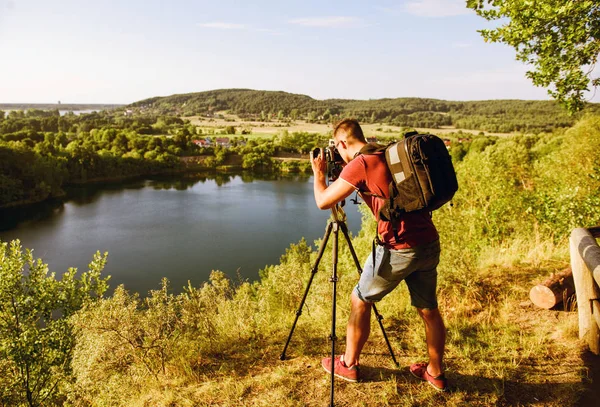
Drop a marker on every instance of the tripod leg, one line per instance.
(334, 280)
(378, 316)
(312, 276)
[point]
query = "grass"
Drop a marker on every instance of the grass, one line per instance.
(517, 357)
(501, 350)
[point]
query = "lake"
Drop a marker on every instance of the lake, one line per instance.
(180, 228)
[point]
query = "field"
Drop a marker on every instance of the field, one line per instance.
(272, 128)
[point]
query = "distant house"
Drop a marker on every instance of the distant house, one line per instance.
(371, 139)
(447, 143)
(128, 113)
(202, 143)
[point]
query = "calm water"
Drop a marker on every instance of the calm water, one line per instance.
(175, 228)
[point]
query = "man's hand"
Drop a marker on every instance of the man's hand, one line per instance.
(319, 164)
(327, 196)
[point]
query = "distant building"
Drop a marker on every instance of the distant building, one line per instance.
(202, 143)
(371, 139)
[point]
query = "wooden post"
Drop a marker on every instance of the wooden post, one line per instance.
(585, 263)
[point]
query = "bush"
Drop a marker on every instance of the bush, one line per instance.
(36, 340)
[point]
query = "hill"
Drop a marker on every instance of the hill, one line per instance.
(489, 115)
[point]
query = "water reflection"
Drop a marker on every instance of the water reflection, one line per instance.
(10, 218)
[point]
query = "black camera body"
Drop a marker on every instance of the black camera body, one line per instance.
(334, 160)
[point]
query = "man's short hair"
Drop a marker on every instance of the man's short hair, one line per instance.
(351, 128)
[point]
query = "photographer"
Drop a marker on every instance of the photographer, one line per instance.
(412, 257)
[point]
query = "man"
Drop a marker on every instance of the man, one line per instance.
(412, 257)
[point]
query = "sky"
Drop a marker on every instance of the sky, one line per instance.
(107, 51)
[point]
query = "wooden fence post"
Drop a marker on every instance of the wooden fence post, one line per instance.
(585, 263)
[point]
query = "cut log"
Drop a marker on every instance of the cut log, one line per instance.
(556, 289)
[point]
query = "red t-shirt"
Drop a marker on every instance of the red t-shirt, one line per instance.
(414, 229)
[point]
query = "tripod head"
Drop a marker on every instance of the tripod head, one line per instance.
(337, 213)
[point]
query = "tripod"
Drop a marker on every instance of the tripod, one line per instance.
(335, 223)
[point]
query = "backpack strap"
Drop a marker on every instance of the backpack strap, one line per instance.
(371, 148)
(374, 148)
(394, 222)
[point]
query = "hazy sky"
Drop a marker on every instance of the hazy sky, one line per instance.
(107, 51)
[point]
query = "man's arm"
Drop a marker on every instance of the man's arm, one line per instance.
(327, 196)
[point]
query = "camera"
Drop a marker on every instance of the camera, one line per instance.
(334, 160)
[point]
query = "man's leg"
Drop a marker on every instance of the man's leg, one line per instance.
(435, 333)
(358, 329)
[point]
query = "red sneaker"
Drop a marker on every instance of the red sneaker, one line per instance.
(419, 370)
(350, 374)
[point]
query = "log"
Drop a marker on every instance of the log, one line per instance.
(556, 289)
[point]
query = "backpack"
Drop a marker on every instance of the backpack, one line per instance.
(423, 176)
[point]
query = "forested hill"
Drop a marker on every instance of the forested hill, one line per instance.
(490, 115)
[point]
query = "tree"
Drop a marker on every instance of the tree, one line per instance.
(36, 339)
(560, 38)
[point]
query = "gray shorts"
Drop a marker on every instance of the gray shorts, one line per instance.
(416, 266)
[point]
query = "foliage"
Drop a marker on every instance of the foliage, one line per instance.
(125, 342)
(36, 340)
(561, 39)
(568, 184)
(27, 176)
(135, 341)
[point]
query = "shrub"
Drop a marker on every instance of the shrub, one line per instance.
(36, 340)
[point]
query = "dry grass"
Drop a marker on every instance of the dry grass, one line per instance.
(501, 351)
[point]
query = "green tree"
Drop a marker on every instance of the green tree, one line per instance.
(560, 38)
(36, 340)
